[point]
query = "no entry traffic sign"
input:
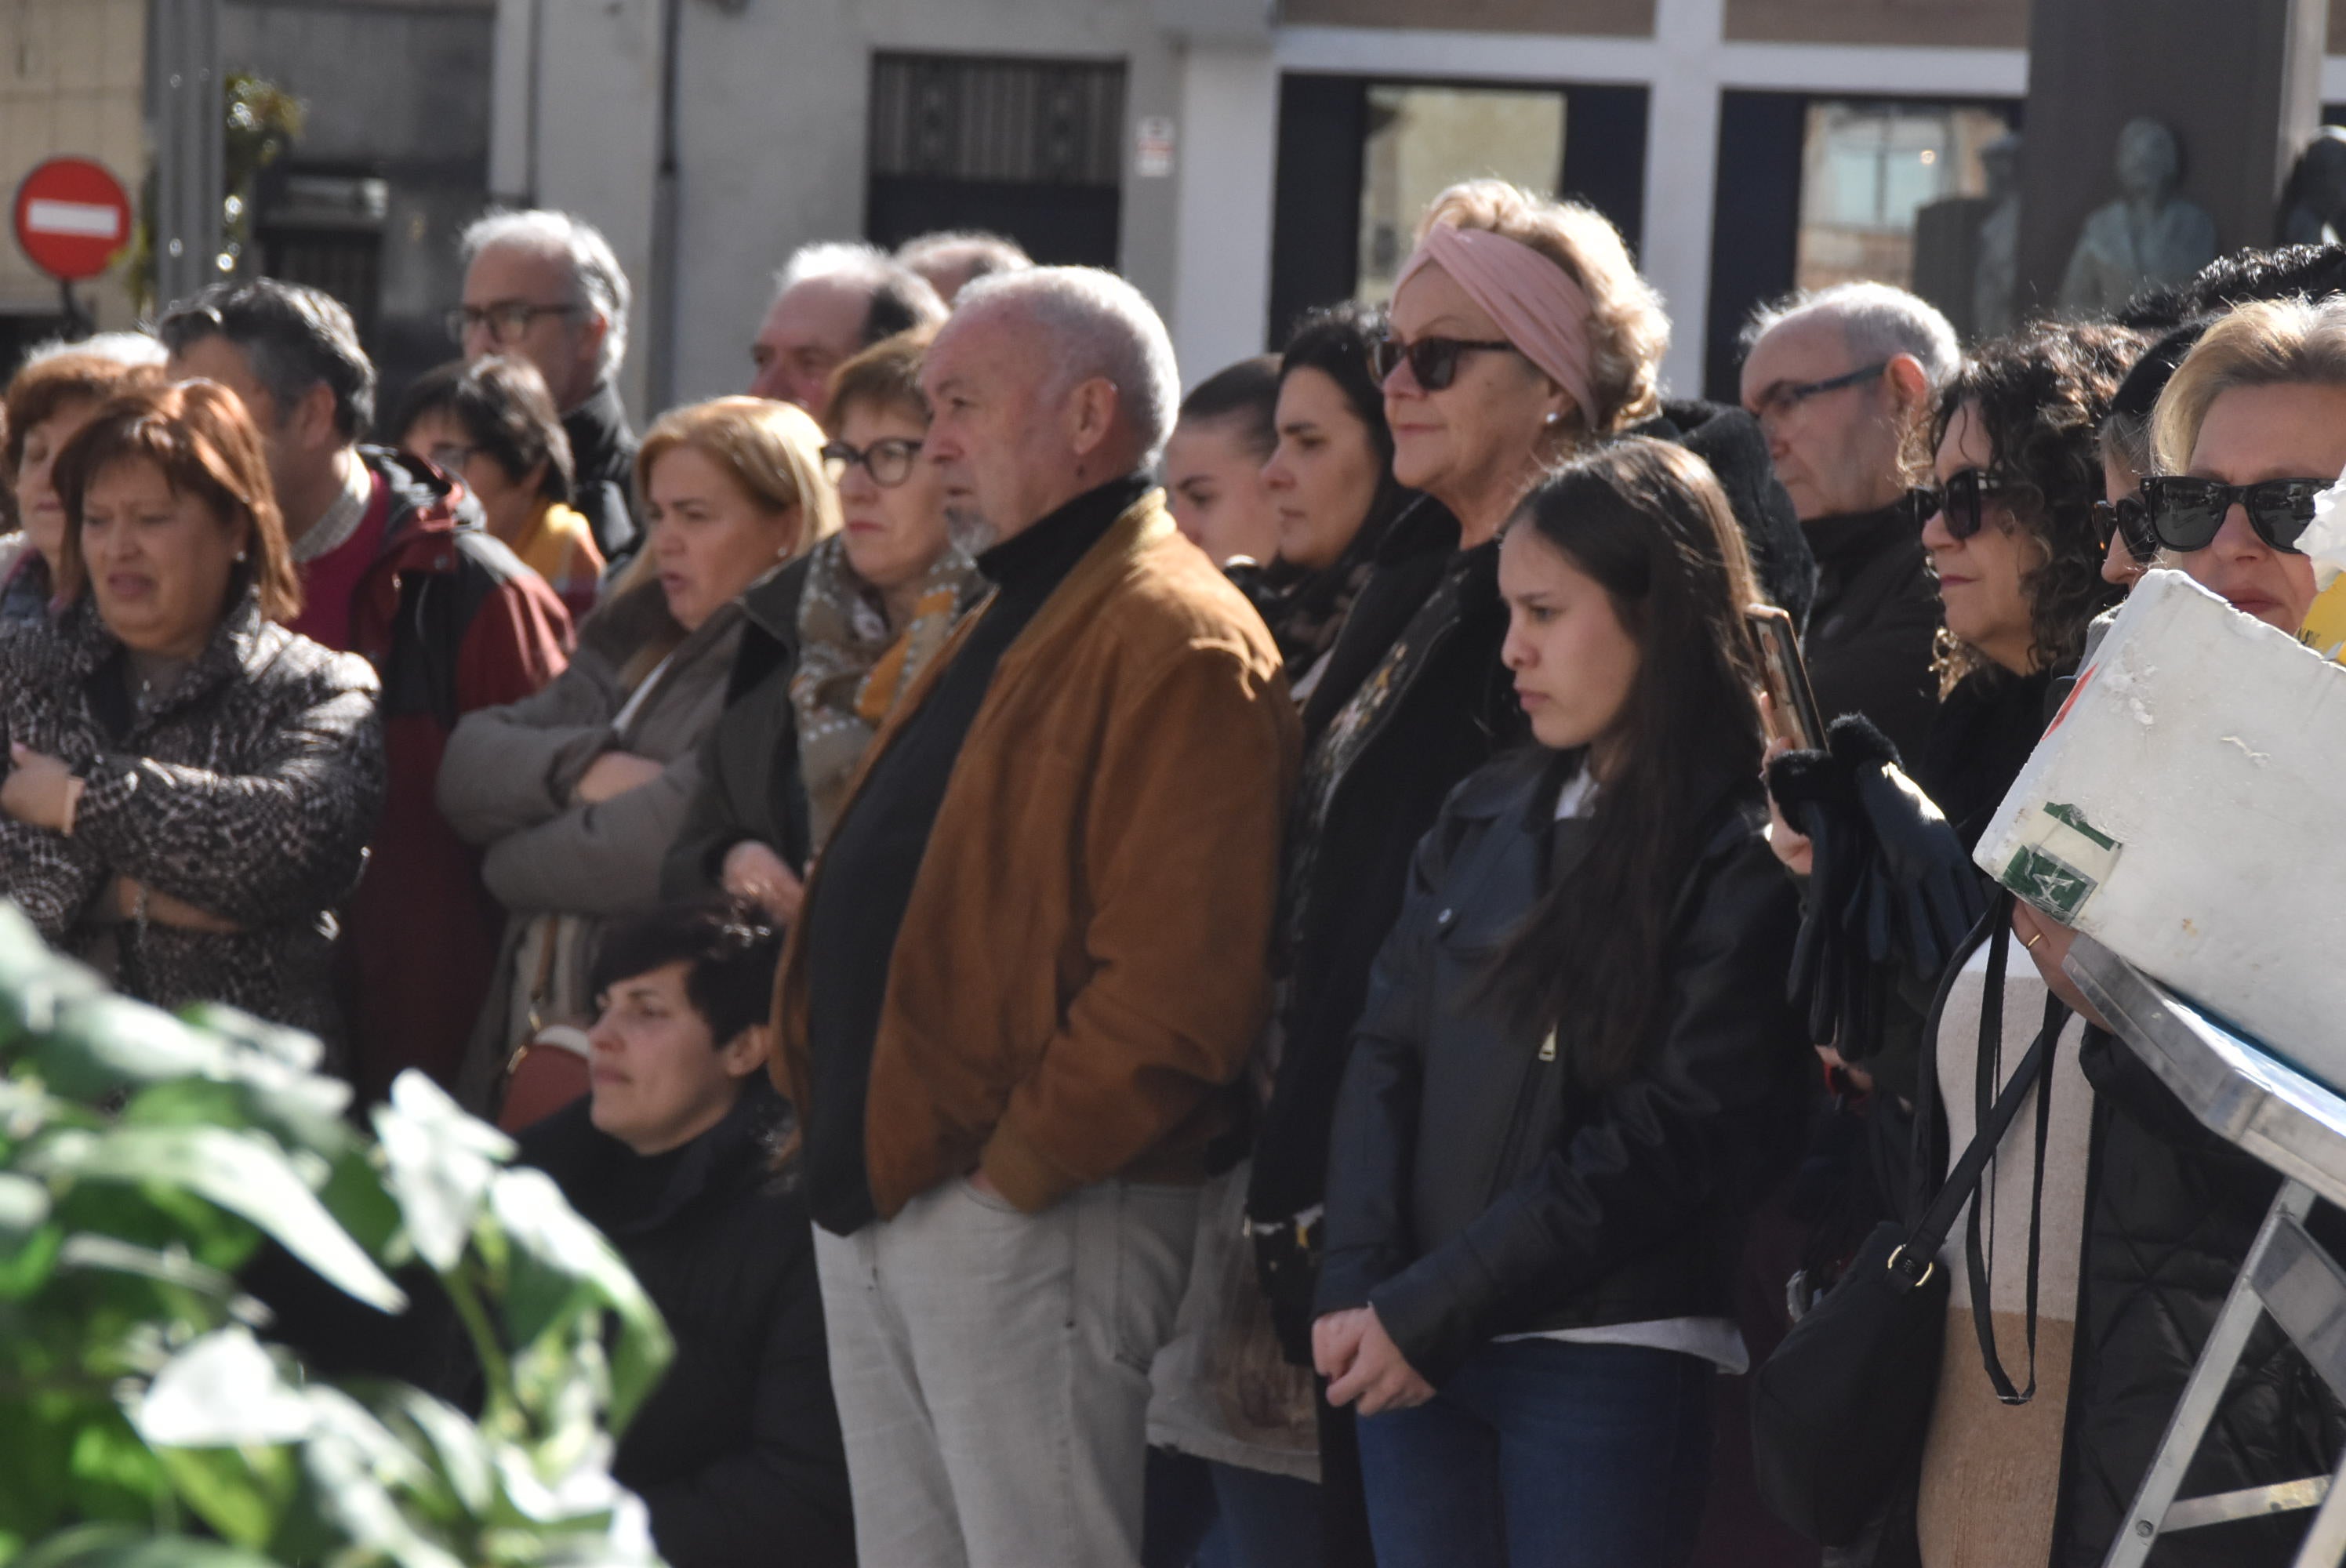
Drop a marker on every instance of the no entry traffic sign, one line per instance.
(72, 217)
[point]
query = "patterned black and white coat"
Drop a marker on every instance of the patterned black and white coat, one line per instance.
(250, 791)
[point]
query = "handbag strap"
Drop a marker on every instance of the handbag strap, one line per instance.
(1911, 1262)
(2056, 1015)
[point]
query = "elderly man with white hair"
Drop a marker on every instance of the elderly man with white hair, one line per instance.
(1842, 382)
(1032, 960)
(832, 299)
(546, 287)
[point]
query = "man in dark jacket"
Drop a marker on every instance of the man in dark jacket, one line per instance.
(674, 1155)
(396, 565)
(545, 286)
(1843, 381)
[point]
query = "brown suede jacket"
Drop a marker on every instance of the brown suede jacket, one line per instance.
(1083, 968)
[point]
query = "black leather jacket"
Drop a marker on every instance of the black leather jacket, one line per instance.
(1473, 1189)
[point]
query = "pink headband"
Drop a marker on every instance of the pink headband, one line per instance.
(1538, 307)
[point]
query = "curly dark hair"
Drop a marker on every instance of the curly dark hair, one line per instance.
(2237, 279)
(2040, 395)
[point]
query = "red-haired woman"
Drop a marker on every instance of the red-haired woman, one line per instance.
(190, 785)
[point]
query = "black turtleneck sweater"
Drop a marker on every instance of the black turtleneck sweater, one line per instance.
(1877, 611)
(856, 903)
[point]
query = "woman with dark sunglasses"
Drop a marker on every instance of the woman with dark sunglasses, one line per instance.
(1520, 332)
(2010, 534)
(2250, 430)
(2123, 520)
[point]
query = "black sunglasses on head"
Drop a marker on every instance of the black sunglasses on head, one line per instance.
(1962, 499)
(1434, 362)
(2129, 519)
(2187, 514)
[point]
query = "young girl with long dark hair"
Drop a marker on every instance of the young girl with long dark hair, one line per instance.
(1577, 1067)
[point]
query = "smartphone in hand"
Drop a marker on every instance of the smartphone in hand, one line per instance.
(1784, 676)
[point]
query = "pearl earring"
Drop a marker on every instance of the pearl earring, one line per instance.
(1551, 417)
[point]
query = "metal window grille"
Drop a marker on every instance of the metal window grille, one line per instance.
(1035, 122)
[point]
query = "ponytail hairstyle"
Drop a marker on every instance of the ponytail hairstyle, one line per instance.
(1647, 521)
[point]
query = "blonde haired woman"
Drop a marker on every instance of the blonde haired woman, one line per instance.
(576, 792)
(2250, 429)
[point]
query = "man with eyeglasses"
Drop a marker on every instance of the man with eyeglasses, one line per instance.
(1842, 382)
(546, 287)
(397, 566)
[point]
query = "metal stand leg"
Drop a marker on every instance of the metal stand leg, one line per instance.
(2325, 1543)
(2203, 1394)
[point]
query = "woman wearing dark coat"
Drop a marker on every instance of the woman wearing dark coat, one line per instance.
(1577, 1071)
(1412, 697)
(828, 645)
(191, 786)
(676, 1157)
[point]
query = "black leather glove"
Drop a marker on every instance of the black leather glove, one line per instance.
(1925, 896)
(1891, 888)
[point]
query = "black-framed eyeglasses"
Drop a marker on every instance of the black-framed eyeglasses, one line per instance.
(889, 461)
(1434, 362)
(1781, 398)
(1962, 500)
(508, 320)
(2129, 519)
(2187, 514)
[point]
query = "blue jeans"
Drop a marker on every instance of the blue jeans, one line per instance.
(1544, 1454)
(1209, 1515)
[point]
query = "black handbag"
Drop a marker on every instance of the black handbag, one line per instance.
(1840, 1411)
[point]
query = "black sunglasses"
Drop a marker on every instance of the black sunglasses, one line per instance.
(2129, 519)
(1962, 498)
(1434, 362)
(2187, 514)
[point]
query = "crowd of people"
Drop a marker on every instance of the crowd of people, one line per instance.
(1224, 981)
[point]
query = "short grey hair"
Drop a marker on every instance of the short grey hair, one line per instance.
(595, 279)
(899, 298)
(132, 350)
(1881, 323)
(1094, 324)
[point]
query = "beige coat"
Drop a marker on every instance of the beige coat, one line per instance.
(505, 784)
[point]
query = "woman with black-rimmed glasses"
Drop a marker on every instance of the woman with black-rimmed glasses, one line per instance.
(831, 642)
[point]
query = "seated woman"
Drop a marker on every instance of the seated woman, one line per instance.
(678, 1156)
(47, 403)
(832, 642)
(493, 425)
(190, 785)
(577, 792)
(1332, 492)
(1577, 1066)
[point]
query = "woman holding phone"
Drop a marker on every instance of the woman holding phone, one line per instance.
(1576, 1062)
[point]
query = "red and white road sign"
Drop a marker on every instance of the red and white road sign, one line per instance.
(72, 217)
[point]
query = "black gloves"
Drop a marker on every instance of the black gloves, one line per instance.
(1891, 887)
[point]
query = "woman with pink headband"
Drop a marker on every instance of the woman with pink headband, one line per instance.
(1520, 332)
